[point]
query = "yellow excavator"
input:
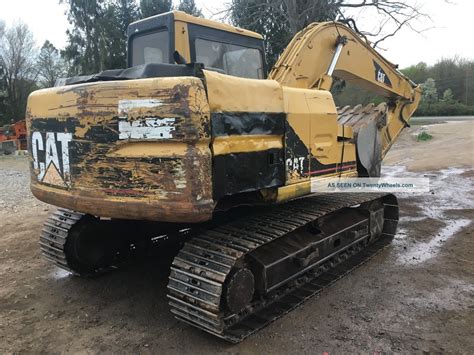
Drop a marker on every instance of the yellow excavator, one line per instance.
(194, 144)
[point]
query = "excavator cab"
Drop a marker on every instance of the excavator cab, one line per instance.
(176, 37)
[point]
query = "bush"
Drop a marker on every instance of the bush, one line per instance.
(423, 136)
(444, 109)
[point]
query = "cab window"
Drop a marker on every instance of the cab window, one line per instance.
(150, 48)
(230, 58)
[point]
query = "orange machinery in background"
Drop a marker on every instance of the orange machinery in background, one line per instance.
(13, 137)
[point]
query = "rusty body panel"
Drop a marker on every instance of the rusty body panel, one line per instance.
(136, 149)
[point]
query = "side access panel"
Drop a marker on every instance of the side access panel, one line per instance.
(248, 126)
(314, 145)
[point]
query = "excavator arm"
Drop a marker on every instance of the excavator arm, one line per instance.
(323, 51)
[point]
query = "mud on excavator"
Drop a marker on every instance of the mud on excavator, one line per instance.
(193, 143)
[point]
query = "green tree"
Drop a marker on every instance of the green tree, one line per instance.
(119, 14)
(448, 96)
(97, 40)
(454, 74)
(83, 47)
(154, 7)
(50, 65)
(442, 71)
(83, 38)
(417, 73)
(189, 6)
(258, 16)
(112, 37)
(17, 58)
(126, 12)
(430, 94)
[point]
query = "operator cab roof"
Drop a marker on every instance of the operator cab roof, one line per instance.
(153, 22)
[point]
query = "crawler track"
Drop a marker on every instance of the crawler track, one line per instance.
(54, 235)
(200, 271)
(65, 235)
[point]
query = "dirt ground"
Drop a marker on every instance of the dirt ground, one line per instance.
(415, 296)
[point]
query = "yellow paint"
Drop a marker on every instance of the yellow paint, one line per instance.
(297, 66)
(294, 190)
(245, 143)
(349, 152)
(324, 145)
(96, 102)
(303, 188)
(233, 94)
(157, 149)
(345, 131)
(184, 17)
(181, 40)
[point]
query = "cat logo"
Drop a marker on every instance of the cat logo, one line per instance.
(295, 164)
(50, 152)
(381, 76)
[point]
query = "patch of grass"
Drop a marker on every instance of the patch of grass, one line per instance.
(423, 137)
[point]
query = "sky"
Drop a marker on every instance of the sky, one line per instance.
(447, 33)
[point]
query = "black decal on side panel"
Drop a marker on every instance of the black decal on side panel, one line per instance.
(247, 123)
(243, 172)
(381, 76)
(296, 153)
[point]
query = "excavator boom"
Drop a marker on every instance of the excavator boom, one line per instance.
(331, 49)
(324, 51)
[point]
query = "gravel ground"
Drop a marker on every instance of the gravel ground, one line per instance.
(415, 296)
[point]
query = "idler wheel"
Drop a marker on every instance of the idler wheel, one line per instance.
(240, 289)
(86, 248)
